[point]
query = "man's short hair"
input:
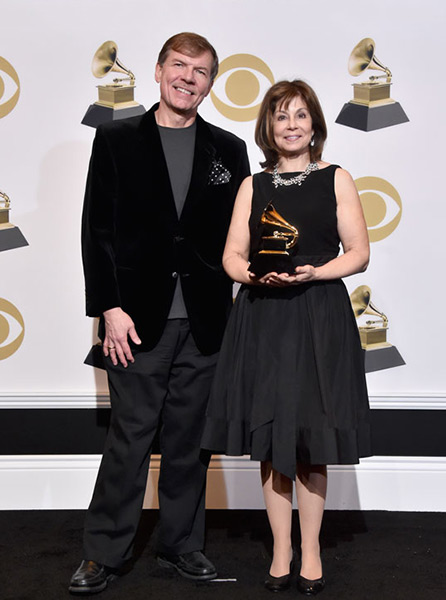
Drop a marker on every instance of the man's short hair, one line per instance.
(190, 44)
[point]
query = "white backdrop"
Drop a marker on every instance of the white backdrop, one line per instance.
(44, 154)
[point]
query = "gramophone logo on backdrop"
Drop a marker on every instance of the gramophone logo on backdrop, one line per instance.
(116, 99)
(10, 235)
(379, 353)
(244, 79)
(372, 107)
(381, 204)
(12, 329)
(9, 87)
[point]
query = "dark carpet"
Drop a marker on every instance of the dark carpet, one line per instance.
(366, 556)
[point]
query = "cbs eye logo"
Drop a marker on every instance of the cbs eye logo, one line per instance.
(382, 206)
(12, 329)
(244, 79)
(9, 87)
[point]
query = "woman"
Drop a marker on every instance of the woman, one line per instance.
(290, 386)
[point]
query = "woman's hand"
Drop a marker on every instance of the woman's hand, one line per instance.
(301, 275)
(268, 279)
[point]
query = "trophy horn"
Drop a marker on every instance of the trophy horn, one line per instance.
(271, 217)
(363, 57)
(362, 304)
(106, 60)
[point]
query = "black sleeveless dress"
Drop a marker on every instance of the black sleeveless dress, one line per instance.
(290, 384)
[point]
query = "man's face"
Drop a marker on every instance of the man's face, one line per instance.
(184, 81)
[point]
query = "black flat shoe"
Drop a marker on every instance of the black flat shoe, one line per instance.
(91, 578)
(192, 565)
(310, 587)
(279, 584)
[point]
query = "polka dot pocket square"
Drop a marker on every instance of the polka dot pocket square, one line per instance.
(219, 173)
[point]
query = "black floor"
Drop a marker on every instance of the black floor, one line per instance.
(366, 555)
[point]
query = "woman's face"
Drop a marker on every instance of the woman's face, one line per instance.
(293, 128)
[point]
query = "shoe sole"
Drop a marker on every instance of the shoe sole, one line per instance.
(169, 565)
(92, 590)
(283, 588)
(307, 592)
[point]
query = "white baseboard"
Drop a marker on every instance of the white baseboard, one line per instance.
(384, 400)
(378, 483)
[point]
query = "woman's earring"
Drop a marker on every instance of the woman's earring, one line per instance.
(312, 141)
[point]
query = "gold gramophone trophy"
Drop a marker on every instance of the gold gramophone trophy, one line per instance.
(372, 107)
(380, 354)
(278, 236)
(10, 235)
(116, 100)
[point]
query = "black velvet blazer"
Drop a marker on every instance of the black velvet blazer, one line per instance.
(133, 244)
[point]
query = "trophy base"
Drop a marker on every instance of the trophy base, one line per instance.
(97, 114)
(95, 358)
(11, 237)
(378, 359)
(269, 262)
(369, 118)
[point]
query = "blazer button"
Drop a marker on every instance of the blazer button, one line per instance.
(174, 274)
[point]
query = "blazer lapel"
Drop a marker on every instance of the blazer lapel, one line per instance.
(204, 154)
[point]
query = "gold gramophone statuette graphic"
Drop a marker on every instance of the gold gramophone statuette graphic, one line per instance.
(278, 236)
(116, 99)
(371, 107)
(373, 334)
(380, 354)
(5, 207)
(10, 235)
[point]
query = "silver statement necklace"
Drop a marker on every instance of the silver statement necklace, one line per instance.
(299, 179)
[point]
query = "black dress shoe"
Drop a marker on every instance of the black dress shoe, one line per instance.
(279, 584)
(91, 578)
(310, 587)
(193, 565)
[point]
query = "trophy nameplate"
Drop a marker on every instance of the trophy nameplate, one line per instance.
(379, 353)
(278, 237)
(10, 235)
(116, 100)
(371, 107)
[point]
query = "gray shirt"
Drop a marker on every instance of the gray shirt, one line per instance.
(178, 147)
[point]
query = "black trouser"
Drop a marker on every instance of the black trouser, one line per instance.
(169, 384)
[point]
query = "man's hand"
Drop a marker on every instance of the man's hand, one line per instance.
(118, 327)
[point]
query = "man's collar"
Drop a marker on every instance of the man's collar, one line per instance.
(149, 125)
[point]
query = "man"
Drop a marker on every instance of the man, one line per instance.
(158, 203)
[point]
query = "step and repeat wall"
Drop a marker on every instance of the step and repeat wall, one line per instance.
(388, 132)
